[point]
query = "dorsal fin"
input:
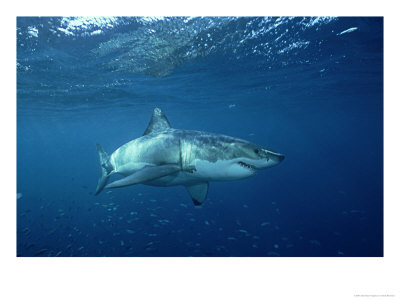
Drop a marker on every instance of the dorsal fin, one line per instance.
(158, 122)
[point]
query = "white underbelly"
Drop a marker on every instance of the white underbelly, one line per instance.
(221, 170)
(205, 171)
(180, 178)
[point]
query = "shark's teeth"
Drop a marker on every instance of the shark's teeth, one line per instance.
(245, 165)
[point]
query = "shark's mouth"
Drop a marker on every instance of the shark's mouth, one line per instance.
(246, 165)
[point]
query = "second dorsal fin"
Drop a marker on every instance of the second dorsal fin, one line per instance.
(158, 122)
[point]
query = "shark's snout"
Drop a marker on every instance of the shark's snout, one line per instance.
(277, 158)
(271, 159)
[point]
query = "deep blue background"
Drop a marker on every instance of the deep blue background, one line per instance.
(320, 103)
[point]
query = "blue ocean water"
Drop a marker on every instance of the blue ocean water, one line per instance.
(310, 88)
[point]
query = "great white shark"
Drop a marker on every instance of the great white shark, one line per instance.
(165, 156)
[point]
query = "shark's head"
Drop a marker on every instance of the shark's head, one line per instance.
(248, 157)
(229, 158)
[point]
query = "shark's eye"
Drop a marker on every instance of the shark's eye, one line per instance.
(256, 151)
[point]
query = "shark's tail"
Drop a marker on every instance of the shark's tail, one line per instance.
(106, 168)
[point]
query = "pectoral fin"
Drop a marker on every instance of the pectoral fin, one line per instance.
(146, 174)
(198, 192)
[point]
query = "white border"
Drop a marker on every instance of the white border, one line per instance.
(198, 278)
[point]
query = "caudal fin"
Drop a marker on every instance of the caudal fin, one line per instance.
(106, 168)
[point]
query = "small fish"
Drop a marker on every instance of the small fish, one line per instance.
(148, 245)
(40, 252)
(26, 231)
(52, 231)
(130, 231)
(30, 246)
(315, 242)
(348, 30)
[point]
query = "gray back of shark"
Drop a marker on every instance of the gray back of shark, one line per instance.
(165, 156)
